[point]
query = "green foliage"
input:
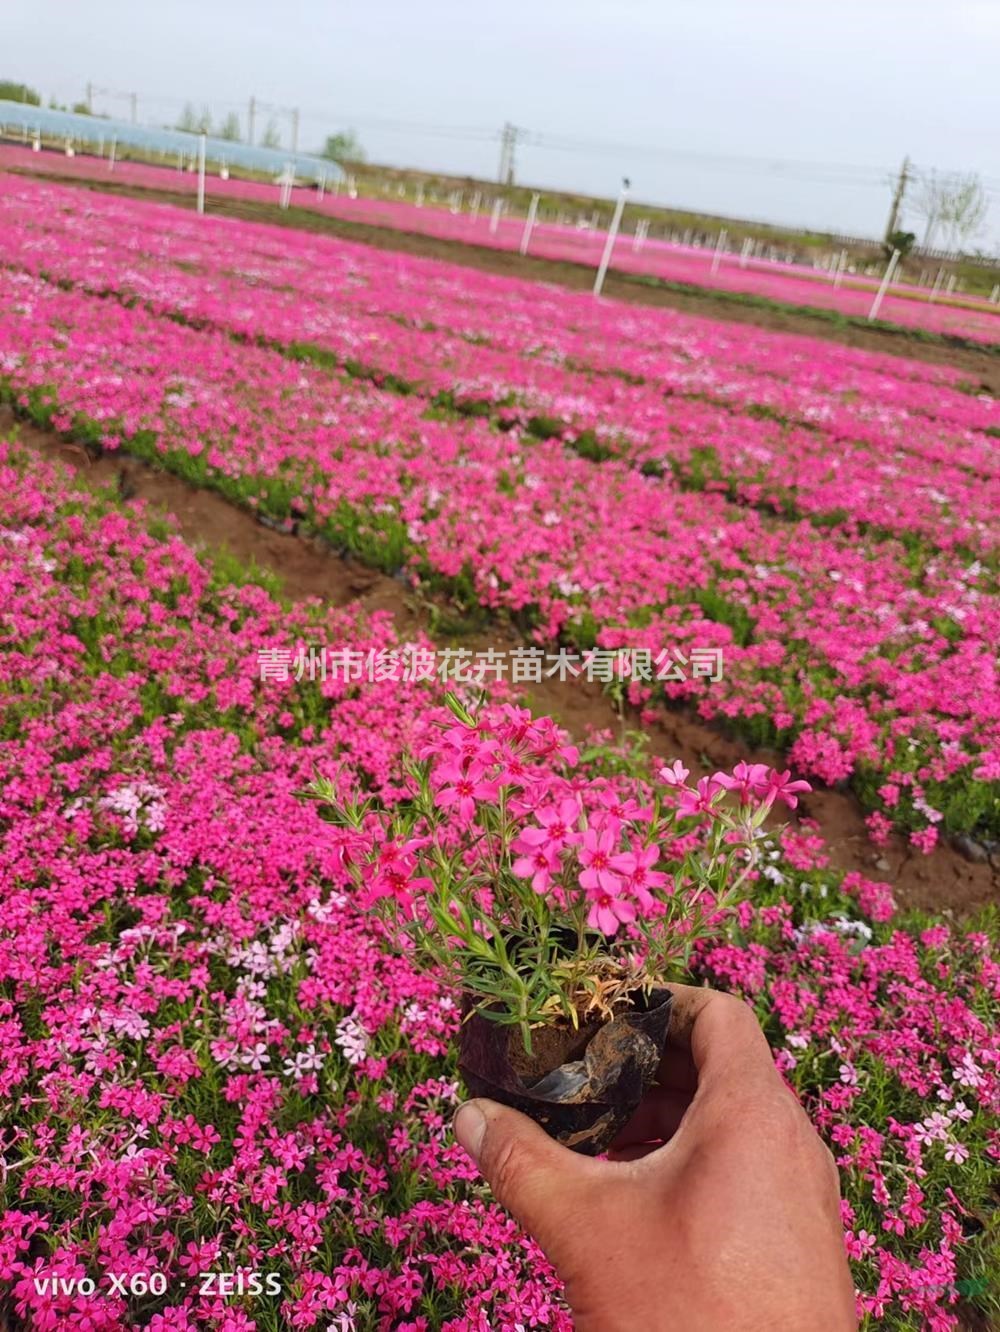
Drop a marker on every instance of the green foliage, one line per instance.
(230, 128)
(344, 146)
(10, 91)
(903, 241)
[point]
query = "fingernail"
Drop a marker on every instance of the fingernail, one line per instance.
(469, 1125)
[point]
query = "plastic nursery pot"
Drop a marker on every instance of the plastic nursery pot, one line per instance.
(581, 1085)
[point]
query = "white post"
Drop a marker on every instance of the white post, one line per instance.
(322, 186)
(951, 285)
(719, 246)
(937, 286)
(841, 269)
(495, 215)
(419, 201)
(111, 154)
(201, 172)
(36, 144)
(477, 199)
(641, 232)
(890, 270)
(995, 294)
(609, 244)
(745, 252)
(529, 223)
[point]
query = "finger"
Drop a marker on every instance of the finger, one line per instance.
(722, 1037)
(539, 1181)
(657, 1118)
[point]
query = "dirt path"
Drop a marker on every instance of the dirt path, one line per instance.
(944, 882)
(980, 367)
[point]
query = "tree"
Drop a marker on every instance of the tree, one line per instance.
(270, 138)
(188, 119)
(18, 92)
(230, 128)
(343, 147)
(81, 108)
(954, 204)
(903, 241)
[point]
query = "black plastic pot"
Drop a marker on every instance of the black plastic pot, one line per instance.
(581, 1085)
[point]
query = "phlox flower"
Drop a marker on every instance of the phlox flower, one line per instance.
(465, 790)
(674, 775)
(640, 877)
(608, 912)
(781, 787)
(352, 1039)
(557, 827)
(749, 781)
(539, 864)
(702, 799)
(596, 855)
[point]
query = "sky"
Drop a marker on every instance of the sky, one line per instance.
(776, 110)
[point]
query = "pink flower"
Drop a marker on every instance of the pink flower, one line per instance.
(558, 826)
(750, 781)
(780, 787)
(702, 799)
(640, 877)
(674, 775)
(595, 855)
(465, 790)
(539, 864)
(608, 912)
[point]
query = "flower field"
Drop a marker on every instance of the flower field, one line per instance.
(964, 316)
(613, 478)
(216, 1058)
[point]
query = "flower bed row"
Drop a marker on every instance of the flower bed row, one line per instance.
(689, 268)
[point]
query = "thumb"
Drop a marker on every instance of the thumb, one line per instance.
(541, 1183)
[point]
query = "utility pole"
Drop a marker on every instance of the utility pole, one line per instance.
(504, 153)
(134, 99)
(897, 198)
(250, 119)
(508, 145)
(90, 98)
(295, 131)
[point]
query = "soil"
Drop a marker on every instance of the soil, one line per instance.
(981, 367)
(944, 882)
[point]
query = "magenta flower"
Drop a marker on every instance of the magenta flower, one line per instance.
(703, 798)
(558, 826)
(782, 788)
(465, 790)
(608, 912)
(750, 782)
(674, 775)
(539, 864)
(595, 855)
(640, 877)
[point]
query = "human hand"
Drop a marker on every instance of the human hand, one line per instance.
(718, 1210)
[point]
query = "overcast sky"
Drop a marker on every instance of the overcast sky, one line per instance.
(673, 86)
